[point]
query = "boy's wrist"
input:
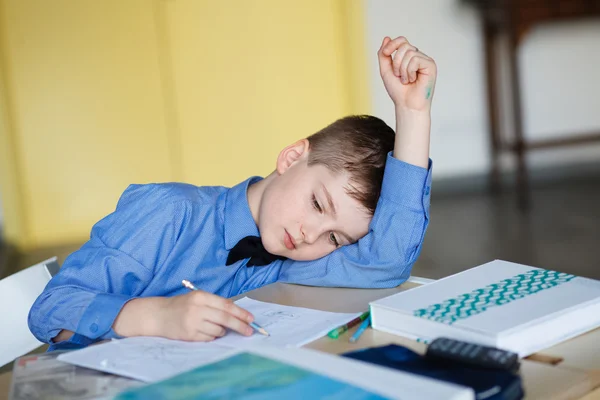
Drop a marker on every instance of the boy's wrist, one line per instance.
(413, 123)
(412, 136)
(138, 318)
(406, 114)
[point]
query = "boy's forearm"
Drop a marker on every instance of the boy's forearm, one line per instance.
(63, 335)
(136, 318)
(412, 137)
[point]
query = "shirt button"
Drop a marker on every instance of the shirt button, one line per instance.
(427, 190)
(94, 328)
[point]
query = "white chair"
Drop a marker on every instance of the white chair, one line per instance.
(17, 294)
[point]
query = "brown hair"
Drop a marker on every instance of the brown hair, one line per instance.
(359, 145)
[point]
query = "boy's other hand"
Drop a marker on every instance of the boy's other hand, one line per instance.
(194, 316)
(408, 75)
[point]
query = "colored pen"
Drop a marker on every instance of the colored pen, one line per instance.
(254, 325)
(361, 329)
(335, 333)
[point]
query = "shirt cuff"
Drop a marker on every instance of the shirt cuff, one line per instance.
(75, 342)
(78, 341)
(111, 334)
(97, 321)
(407, 184)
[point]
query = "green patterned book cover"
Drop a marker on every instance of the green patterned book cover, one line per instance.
(249, 376)
(513, 306)
(263, 373)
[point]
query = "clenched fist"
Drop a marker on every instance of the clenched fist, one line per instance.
(408, 74)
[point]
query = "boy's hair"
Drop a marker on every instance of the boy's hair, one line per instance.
(359, 145)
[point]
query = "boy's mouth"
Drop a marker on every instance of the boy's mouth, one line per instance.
(288, 241)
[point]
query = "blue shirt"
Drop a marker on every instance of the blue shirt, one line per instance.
(160, 234)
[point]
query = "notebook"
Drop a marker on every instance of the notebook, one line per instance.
(279, 373)
(511, 306)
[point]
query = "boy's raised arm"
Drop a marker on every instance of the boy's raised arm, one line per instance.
(385, 256)
(409, 78)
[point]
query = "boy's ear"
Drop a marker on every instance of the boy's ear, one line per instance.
(292, 153)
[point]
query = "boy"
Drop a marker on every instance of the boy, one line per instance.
(323, 195)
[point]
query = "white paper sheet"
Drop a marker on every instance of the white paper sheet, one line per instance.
(288, 326)
(150, 359)
(147, 359)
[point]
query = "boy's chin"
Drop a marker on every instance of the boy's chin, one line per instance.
(274, 248)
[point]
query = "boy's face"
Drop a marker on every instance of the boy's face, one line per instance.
(304, 213)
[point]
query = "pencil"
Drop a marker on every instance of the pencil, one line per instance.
(361, 329)
(254, 325)
(335, 333)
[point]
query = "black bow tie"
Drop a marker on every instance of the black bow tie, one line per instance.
(251, 247)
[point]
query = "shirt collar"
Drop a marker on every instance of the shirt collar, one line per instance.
(237, 216)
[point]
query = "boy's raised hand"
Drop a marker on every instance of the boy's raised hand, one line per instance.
(408, 75)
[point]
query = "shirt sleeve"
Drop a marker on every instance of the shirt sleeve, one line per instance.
(113, 267)
(384, 257)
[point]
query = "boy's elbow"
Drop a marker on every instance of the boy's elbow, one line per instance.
(39, 317)
(395, 275)
(392, 282)
(35, 327)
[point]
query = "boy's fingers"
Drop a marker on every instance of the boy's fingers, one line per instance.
(394, 45)
(385, 61)
(386, 40)
(413, 67)
(210, 329)
(400, 55)
(202, 337)
(408, 56)
(226, 320)
(420, 65)
(220, 303)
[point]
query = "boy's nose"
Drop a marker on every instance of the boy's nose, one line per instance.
(309, 236)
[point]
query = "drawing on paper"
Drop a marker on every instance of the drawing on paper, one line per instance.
(279, 314)
(170, 355)
(165, 354)
(287, 326)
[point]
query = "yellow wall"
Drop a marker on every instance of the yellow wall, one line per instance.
(270, 73)
(87, 108)
(103, 94)
(14, 224)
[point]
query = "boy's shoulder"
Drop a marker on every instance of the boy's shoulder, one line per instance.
(171, 192)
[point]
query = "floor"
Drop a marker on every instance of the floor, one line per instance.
(560, 232)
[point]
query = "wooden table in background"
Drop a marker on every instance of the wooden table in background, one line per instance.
(512, 19)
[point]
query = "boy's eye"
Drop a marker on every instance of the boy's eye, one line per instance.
(316, 204)
(333, 239)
